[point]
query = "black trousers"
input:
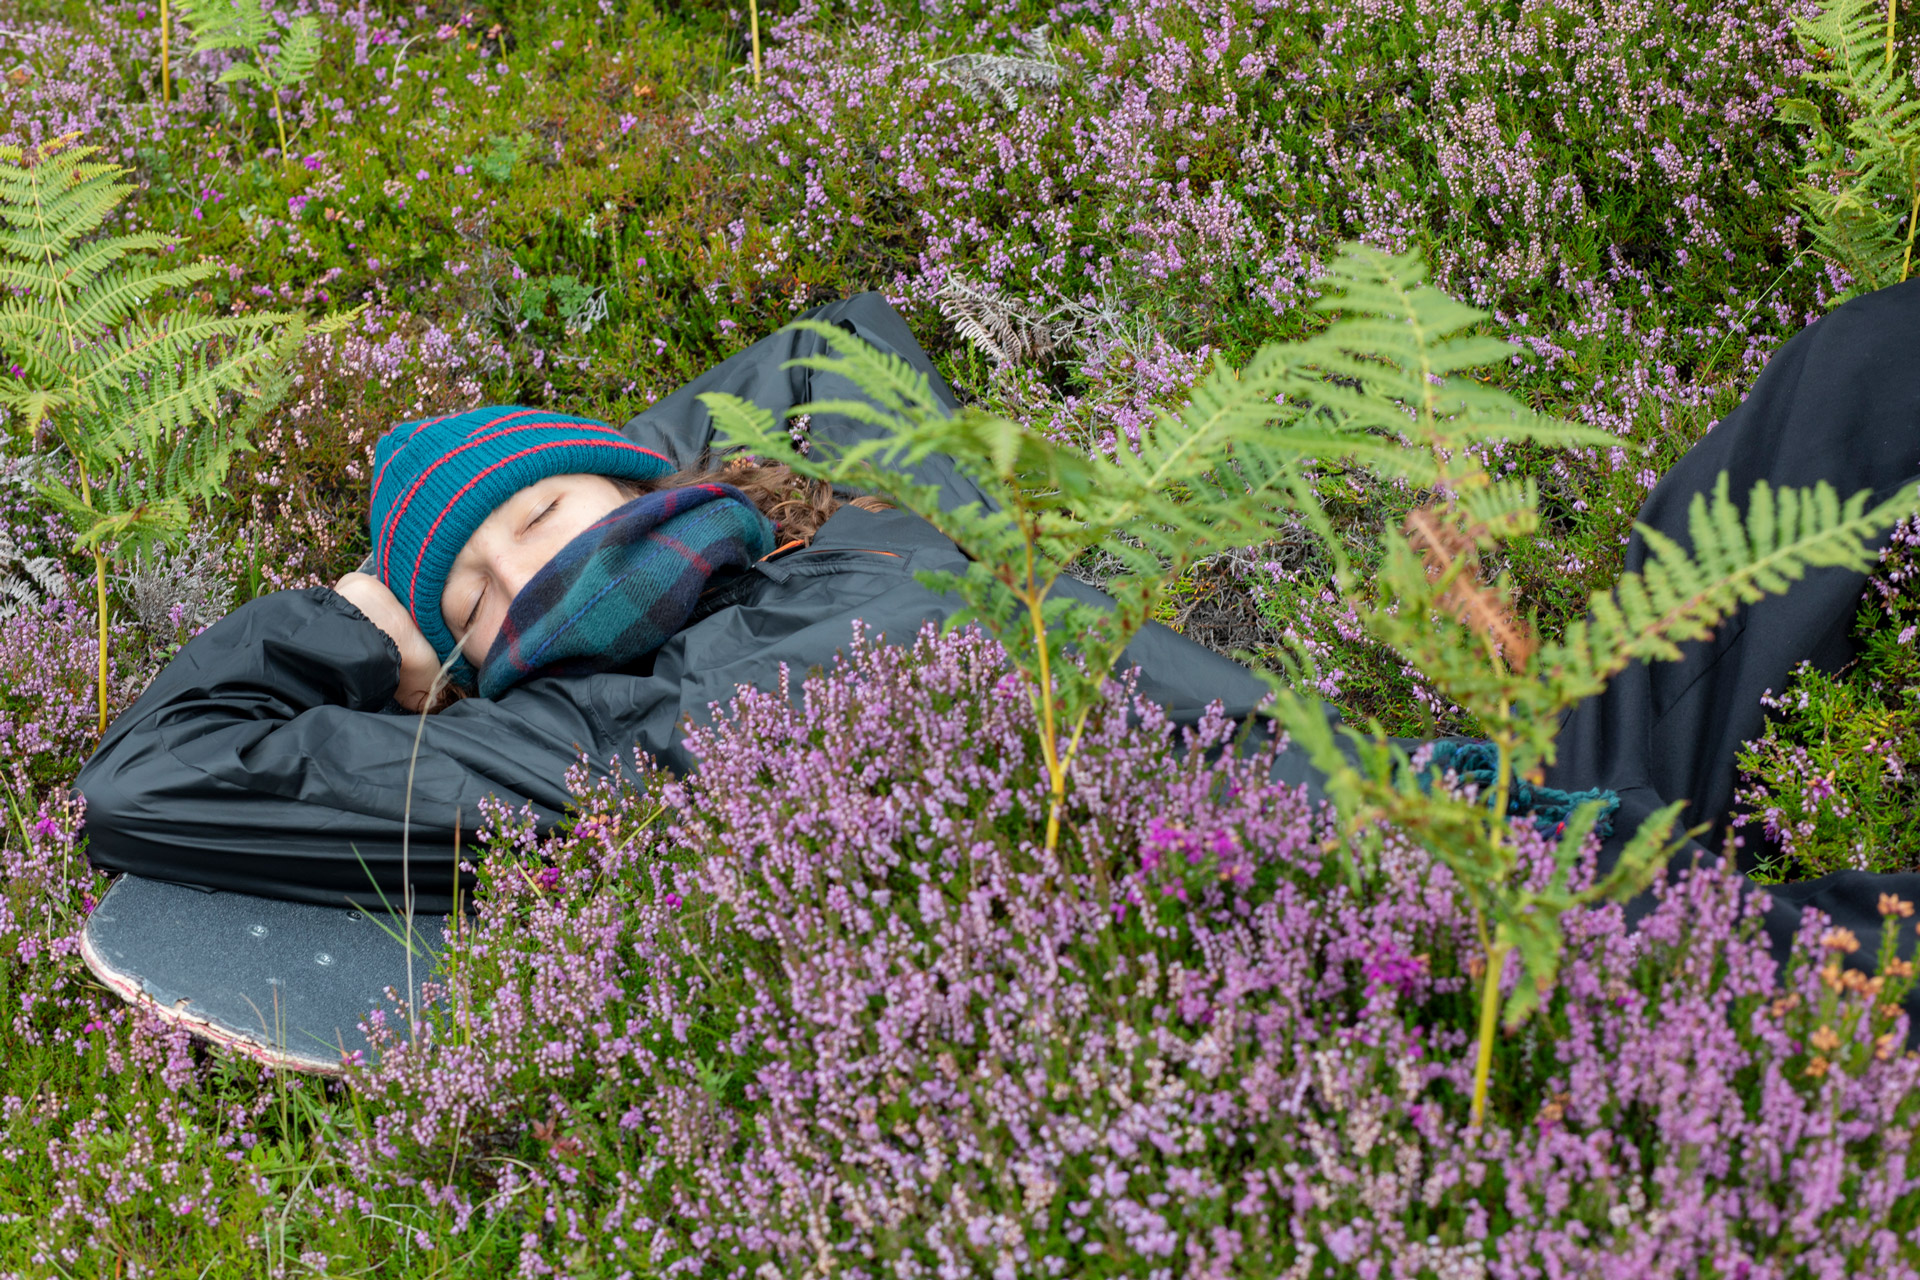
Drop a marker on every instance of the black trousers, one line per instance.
(1840, 402)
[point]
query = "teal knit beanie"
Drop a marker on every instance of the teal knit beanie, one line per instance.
(435, 481)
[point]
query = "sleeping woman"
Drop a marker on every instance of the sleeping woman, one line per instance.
(595, 588)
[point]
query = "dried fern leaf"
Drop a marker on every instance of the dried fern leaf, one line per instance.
(996, 79)
(1450, 551)
(1005, 331)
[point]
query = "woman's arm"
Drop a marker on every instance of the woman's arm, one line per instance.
(260, 761)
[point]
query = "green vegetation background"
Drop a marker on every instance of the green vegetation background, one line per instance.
(565, 232)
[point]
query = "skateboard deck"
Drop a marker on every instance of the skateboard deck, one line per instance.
(285, 983)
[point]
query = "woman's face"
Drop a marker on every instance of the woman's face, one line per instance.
(513, 544)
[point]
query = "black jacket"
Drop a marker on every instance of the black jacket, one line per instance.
(1838, 402)
(267, 757)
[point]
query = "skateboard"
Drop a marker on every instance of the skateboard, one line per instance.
(284, 983)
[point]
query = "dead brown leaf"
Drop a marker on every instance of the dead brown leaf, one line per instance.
(1444, 544)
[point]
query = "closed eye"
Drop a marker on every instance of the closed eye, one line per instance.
(473, 612)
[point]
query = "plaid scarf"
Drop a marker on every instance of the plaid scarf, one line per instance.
(616, 592)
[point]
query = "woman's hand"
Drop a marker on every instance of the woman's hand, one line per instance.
(418, 662)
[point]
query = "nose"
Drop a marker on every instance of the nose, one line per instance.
(513, 566)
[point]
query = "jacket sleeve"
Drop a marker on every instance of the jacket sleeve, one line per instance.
(261, 761)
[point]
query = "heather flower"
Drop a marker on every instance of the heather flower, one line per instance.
(823, 1006)
(849, 1006)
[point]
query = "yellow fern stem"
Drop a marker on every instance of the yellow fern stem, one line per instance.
(166, 70)
(1049, 739)
(100, 597)
(1891, 6)
(1489, 1020)
(753, 20)
(1913, 220)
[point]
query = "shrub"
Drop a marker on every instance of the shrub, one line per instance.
(840, 1011)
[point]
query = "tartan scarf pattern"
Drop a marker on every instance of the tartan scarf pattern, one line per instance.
(625, 584)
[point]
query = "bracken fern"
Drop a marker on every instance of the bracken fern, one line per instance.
(1862, 196)
(1005, 331)
(26, 581)
(1227, 470)
(995, 79)
(1386, 385)
(248, 27)
(150, 410)
(1395, 368)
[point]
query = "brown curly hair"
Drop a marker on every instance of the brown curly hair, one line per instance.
(796, 505)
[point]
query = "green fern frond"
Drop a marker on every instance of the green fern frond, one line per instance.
(1859, 198)
(78, 271)
(1856, 233)
(1225, 408)
(738, 422)
(142, 403)
(885, 377)
(1390, 365)
(56, 328)
(248, 27)
(1849, 40)
(1680, 595)
(26, 402)
(299, 53)
(228, 24)
(110, 299)
(48, 205)
(1503, 509)
(184, 383)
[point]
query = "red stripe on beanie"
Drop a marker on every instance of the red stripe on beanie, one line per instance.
(391, 525)
(427, 540)
(411, 436)
(385, 548)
